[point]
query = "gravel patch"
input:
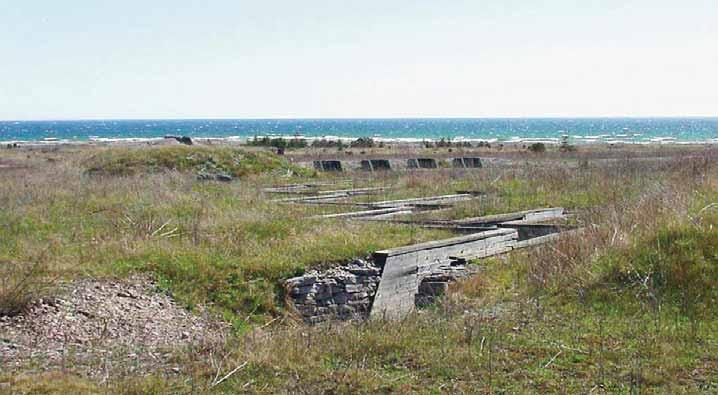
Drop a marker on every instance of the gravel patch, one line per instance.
(95, 327)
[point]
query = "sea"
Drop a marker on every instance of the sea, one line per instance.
(576, 130)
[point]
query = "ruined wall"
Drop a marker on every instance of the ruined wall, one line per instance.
(347, 292)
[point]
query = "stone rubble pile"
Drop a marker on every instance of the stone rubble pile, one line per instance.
(224, 177)
(344, 292)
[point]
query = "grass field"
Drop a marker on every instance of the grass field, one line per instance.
(627, 306)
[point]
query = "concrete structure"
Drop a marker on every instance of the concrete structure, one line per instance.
(376, 165)
(328, 165)
(466, 163)
(422, 163)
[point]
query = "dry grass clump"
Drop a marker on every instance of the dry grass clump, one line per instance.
(22, 283)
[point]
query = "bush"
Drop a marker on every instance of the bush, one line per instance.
(363, 142)
(537, 148)
(444, 143)
(277, 142)
(323, 143)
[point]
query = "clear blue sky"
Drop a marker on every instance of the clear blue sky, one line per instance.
(370, 58)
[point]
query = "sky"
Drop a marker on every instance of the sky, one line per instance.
(98, 59)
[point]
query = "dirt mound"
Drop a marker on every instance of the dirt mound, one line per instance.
(94, 324)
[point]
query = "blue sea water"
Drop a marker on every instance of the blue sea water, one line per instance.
(632, 130)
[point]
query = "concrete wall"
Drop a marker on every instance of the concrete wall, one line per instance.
(394, 164)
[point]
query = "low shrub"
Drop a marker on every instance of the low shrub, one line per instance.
(537, 148)
(363, 142)
(323, 143)
(277, 142)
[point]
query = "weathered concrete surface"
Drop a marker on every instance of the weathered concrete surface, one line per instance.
(532, 230)
(347, 292)
(376, 165)
(435, 283)
(404, 277)
(431, 200)
(384, 209)
(304, 188)
(466, 163)
(328, 165)
(422, 163)
(399, 163)
(328, 196)
(527, 216)
(402, 266)
(364, 213)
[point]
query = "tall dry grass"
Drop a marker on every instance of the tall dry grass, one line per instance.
(227, 245)
(658, 195)
(529, 323)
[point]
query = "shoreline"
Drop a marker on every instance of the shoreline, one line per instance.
(590, 141)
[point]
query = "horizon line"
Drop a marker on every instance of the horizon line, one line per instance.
(360, 118)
